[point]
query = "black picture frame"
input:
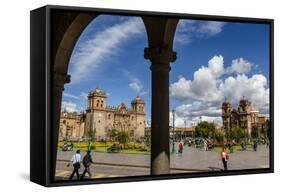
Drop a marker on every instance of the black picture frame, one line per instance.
(41, 74)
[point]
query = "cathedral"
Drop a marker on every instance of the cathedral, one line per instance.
(245, 117)
(101, 118)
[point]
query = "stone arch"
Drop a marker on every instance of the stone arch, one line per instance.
(67, 28)
(68, 41)
(160, 34)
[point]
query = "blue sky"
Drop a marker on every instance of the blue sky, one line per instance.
(215, 61)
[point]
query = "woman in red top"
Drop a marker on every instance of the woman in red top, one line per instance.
(180, 147)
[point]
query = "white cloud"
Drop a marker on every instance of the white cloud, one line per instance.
(183, 38)
(216, 65)
(204, 84)
(187, 30)
(70, 95)
(69, 106)
(254, 88)
(189, 114)
(239, 66)
(209, 87)
(210, 28)
(136, 86)
(179, 121)
(189, 121)
(198, 108)
(143, 93)
(84, 95)
(102, 46)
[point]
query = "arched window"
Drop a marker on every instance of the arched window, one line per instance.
(98, 102)
(108, 116)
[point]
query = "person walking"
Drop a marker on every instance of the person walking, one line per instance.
(267, 143)
(75, 160)
(87, 161)
(255, 146)
(205, 145)
(224, 158)
(180, 147)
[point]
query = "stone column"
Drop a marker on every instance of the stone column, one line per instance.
(160, 58)
(58, 86)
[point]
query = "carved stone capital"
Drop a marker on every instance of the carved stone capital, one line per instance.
(161, 54)
(60, 79)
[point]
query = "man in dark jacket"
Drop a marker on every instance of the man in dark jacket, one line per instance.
(87, 161)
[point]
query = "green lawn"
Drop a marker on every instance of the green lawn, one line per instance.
(102, 148)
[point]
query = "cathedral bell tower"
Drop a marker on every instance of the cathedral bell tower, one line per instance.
(96, 100)
(95, 116)
(137, 105)
(137, 116)
(226, 114)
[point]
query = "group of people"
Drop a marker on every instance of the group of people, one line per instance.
(224, 156)
(76, 163)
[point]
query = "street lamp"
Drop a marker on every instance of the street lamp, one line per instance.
(173, 148)
(184, 128)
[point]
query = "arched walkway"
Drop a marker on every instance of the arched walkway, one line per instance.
(160, 32)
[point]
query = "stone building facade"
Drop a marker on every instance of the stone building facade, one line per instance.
(101, 118)
(246, 116)
(72, 126)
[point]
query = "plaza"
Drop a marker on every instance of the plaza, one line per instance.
(191, 160)
(196, 104)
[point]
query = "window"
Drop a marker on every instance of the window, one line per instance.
(108, 116)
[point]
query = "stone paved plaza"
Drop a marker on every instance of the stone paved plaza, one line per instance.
(191, 160)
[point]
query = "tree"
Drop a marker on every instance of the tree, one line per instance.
(91, 138)
(234, 133)
(205, 129)
(147, 137)
(218, 136)
(123, 137)
(255, 133)
(112, 134)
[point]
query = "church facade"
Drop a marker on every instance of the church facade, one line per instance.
(101, 118)
(72, 125)
(246, 116)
